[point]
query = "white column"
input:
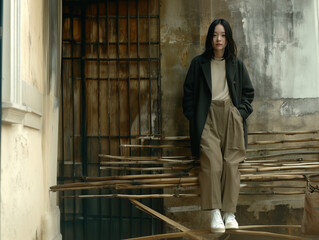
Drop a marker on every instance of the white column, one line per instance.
(12, 109)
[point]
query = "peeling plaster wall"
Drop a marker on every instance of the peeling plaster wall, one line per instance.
(21, 183)
(29, 155)
(278, 41)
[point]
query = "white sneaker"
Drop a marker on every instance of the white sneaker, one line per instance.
(230, 220)
(217, 224)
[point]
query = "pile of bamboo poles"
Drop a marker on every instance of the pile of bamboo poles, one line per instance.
(262, 173)
(276, 164)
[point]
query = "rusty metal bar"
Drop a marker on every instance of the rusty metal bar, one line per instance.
(83, 117)
(159, 82)
(73, 129)
(138, 67)
(149, 65)
(119, 99)
(122, 79)
(129, 72)
(110, 43)
(61, 165)
(151, 202)
(117, 72)
(110, 205)
(112, 59)
(139, 83)
(98, 115)
(114, 17)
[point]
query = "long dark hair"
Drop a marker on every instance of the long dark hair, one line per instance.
(231, 48)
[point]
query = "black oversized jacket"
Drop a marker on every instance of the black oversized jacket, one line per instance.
(198, 95)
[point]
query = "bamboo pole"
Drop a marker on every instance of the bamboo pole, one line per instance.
(279, 173)
(281, 160)
(167, 220)
(154, 146)
(161, 182)
(282, 154)
(154, 180)
(155, 186)
(268, 226)
(139, 176)
(160, 236)
(171, 138)
(245, 164)
(237, 232)
(177, 157)
(160, 137)
(280, 149)
(283, 141)
(177, 195)
(158, 161)
(266, 234)
(132, 196)
(131, 162)
(273, 167)
(178, 186)
(272, 186)
(269, 169)
(271, 177)
(283, 132)
(207, 231)
(243, 168)
(146, 168)
(249, 143)
(272, 193)
(128, 157)
(112, 183)
(134, 158)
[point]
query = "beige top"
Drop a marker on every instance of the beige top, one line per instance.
(220, 89)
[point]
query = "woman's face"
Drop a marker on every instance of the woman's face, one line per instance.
(219, 40)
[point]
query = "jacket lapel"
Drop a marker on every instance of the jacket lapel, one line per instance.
(230, 75)
(207, 73)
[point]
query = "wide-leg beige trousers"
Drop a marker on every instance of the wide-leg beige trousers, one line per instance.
(222, 149)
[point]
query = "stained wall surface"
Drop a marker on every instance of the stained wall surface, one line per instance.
(278, 42)
(29, 151)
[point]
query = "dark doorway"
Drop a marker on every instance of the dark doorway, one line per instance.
(110, 96)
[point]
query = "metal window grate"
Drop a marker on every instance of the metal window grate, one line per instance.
(110, 95)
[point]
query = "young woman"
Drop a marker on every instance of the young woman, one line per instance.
(217, 101)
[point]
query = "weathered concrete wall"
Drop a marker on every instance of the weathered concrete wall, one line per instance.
(29, 154)
(278, 41)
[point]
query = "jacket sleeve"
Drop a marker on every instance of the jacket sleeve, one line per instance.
(189, 92)
(245, 107)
